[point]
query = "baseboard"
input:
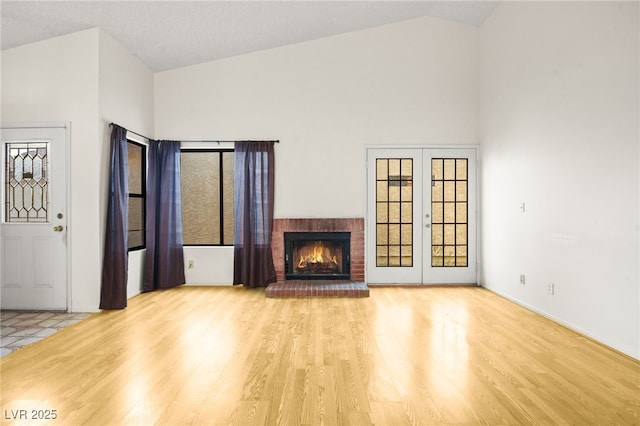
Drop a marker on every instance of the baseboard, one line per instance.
(78, 309)
(381, 285)
(226, 284)
(560, 321)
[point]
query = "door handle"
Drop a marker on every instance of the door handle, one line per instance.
(58, 228)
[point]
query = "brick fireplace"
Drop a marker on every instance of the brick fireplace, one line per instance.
(355, 226)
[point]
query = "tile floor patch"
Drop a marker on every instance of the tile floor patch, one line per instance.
(28, 331)
(50, 322)
(21, 328)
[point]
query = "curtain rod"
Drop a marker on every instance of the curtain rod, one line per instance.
(208, 141)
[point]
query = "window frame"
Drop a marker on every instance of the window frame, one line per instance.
(142, 195)
(221, 211)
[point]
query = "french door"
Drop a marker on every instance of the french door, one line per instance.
(421, 216)
(33, 247)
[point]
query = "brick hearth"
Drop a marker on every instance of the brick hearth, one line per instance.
(353, 225)
(316, 288)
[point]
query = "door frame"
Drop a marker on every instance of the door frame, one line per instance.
(475, 148)
(66, 125)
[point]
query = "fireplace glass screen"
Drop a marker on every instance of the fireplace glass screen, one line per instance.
(317, 255)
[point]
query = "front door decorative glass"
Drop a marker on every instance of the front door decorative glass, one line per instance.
(27, 182)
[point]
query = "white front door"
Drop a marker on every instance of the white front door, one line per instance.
(34, 218)
(421, 216)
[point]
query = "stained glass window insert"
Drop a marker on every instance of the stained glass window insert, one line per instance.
(27, 182)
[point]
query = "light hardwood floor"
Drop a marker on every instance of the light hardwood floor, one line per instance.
(225, 355)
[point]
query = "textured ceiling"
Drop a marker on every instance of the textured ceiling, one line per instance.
(172, 34)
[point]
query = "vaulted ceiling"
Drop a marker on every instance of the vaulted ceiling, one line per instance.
(171, 34)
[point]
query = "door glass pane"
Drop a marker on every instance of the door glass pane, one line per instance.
(449, 190)
(394, 234)
(382, 256)
(394, 212)
(436, 191)
(449, 170)
(381, 170)
(461, 212)
(449, 208)
(27, 182)
(382, 191)
(394, 255)
(449, 234)
(406, 255)
(449, 213)
(382, 213)
(437, 210)
(406, 213)
(407, 235)
(382, 235)
(394, 191)
(436, 169)
(436, 235)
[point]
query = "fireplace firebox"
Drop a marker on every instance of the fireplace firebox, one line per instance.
(317, 255)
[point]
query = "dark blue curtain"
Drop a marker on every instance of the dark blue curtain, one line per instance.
(254, 177)
(113, 294)
(164, 260)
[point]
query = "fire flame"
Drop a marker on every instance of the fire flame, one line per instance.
(317, 256)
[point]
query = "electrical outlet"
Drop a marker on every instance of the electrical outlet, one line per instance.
(190, 264)
(550, 289)
(522, 280)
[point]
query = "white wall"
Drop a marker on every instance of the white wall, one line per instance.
(57, 80)
(413, 82)
(126, 98)
(559, 131)
(86, 78)
(210, 265)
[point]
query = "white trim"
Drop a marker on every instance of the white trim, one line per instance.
(137, 139)
(478, 218)
(420, 146)
(84, 308)
(51, 125)
(69, 233)
(206, 145)
(366, 208)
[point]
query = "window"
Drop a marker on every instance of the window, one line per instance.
(137, 156)
(207, 197)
